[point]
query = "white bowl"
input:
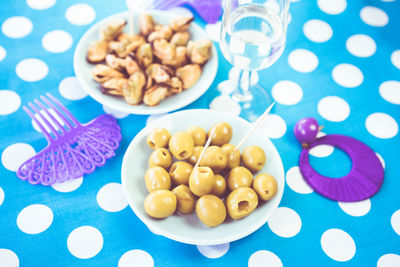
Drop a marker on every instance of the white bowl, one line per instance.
(82, 69)
(188, 228)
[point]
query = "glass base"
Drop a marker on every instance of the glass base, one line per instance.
(249, 105)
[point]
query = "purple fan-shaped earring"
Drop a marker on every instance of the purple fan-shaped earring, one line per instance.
(363, 181)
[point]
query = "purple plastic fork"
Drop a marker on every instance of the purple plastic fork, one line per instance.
(73, 149)
(209, 10)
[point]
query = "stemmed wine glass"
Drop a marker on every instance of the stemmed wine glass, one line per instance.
(252, 37)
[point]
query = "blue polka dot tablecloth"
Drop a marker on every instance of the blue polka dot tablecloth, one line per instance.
(341, 65)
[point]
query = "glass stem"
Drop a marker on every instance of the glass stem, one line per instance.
(242, 93)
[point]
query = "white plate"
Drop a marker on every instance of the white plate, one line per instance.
(82, 69)
(188, 228)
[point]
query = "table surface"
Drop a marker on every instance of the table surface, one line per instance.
(341, 65)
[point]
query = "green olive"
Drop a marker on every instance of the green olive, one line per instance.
(181, 145)
(219, 186)
(160, 157)
(222, 133)
(211, 210)
(241, 202)
(196, 154)
(265, 186)
(201, 181)
(253, 158)
(239, 177)
(215, 158)
(157, 178)
(185, 199)
(180, 172)
(158, 138)
(232, 156)
(160, 204)
(198, 134)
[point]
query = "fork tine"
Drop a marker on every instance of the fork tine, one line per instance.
(46, 122)
(62, 129)
(38, 123)
(64, 109)
(57, 111)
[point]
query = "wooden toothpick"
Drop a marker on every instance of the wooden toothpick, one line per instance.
(130, 18)
(258, 122)
(204, 149)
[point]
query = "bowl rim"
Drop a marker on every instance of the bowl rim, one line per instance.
(183, 239)
(142, 109)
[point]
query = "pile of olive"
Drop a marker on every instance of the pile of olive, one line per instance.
(223, 183)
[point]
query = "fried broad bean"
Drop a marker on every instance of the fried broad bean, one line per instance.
(160, 204)
(265, 186)
(211, 210)
(241, 202)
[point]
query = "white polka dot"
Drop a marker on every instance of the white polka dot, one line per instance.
(181, 11)
(285, 222)
(356, 209)
(215, 251)
(3, 53)
(374, 16)
(338, 245)
(153, 118)
(117, 114)
(361, 45)
(303, 60)
(16, 154)
(226, 87)
(395, 221)
(9, 102)
(80, 14)
(347, 75)
(214, 30)
(40, 4)
(17, 27)
(322, 151)
(68, 186)
(390, 91)
(296, 182)
(57, 41)
(287, 92)
(317, 30)
(31, 69)
(85, 242)
(273, 126)
(111, 197)
(333, 108)
(263, 258)
(225, 104)
(381, 125)
(332, 7)
(1, 196)
(381, 160)
(389, 260)
(137, 258)
(70, 89)
(8, 258)
(395, 58)
(235, 72)
(35, 219)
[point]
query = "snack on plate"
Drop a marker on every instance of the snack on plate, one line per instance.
(147, 67)
(223, 183)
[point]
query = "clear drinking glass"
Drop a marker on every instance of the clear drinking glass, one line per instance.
(252, 37)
